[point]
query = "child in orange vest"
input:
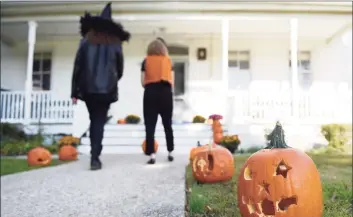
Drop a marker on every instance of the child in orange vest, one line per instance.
(157, 79)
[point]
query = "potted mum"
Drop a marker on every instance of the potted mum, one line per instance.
(231, 142)
(198, 119)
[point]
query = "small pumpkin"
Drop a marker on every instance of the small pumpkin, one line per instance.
(67, 153)
(279, 181)
(155, 146)
(217, 138)
(213, 165)
(121, 121)
(197, 149)
(39, 156)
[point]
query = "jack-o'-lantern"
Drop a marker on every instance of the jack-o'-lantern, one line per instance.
(144, 146)
(67, 153)
(38, 156)
(217, 138)
(198, 149)
(213, 165)
(121, 121)
(279, 181)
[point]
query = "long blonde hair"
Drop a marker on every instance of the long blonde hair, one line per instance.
(157, 48)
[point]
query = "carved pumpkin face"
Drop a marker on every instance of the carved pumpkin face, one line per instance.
(198, 149)
(215, 165)
(38, 156)
(121, 121)
(144, 146)
(67, 153)
(279, 183)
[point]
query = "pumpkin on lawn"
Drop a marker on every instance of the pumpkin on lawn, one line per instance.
(67, 153)
(121, 121)
(279, 181)
(144, 146)
(197, 149)
(38, 156)
(213, 165)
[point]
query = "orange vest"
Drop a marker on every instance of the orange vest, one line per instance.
(158, 68)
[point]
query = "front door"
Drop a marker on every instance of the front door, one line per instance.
(179, 78)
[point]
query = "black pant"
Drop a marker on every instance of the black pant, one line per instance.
(158, 100)
(98, 111)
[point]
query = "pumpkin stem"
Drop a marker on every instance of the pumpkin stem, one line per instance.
(276, 138)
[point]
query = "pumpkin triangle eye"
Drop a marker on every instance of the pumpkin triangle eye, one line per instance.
(282, 169)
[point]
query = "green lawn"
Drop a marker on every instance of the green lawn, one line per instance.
(220, 200)
(13, 165)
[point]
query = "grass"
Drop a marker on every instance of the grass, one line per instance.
(220, 200)
(13, 165)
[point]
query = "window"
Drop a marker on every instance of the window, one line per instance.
(41, 71)
(239, 60)
(304, 68)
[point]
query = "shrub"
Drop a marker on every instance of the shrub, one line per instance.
(337, 135)
(11, 132)
(198, 119)
(231, 142)
(253, 149)
(69, 140)
(132, 119)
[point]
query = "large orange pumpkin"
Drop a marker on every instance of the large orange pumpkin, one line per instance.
(197, 149)
(279, 181)
(68, 153)
(213, 165)
(121, 121)
(38, 156)
(155, 146)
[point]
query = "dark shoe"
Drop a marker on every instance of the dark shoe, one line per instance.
(96, 164)
(170, 158)
(151, 161)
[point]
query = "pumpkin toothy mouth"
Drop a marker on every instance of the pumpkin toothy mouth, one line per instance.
(268, 208)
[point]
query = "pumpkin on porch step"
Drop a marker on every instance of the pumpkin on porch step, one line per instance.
(155, 146)
(39, 156)
(121, 121)
(213, 165)
(279, 181)
(67, 153)
(197, 149)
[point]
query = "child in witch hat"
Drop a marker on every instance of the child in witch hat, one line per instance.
(97, 69)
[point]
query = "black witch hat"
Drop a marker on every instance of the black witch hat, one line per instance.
(103, 23)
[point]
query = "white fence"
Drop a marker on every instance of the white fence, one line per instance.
(46, 107)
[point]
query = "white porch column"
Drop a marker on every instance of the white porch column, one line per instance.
(294, 60)
(225, 48)
(32, 28)
(224, 68)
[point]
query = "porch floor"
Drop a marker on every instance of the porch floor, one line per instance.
(125, 187)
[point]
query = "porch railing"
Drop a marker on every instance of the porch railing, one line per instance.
(46, 107)
(311, 107)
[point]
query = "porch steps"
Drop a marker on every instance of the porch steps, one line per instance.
(125, 139)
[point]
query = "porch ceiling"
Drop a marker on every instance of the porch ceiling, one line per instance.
(308, 28)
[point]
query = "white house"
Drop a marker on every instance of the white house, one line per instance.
(246, 73)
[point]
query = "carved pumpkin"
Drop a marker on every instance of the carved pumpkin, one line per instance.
(213, 165)
(121, 121)
(217, 138)
(38, 156)
(144, 146)
(198, 149)
(67, 153)
(279, 181)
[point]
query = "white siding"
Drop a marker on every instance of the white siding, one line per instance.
(269, 62)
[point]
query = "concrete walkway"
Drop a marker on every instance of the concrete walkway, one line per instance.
(125, 187)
